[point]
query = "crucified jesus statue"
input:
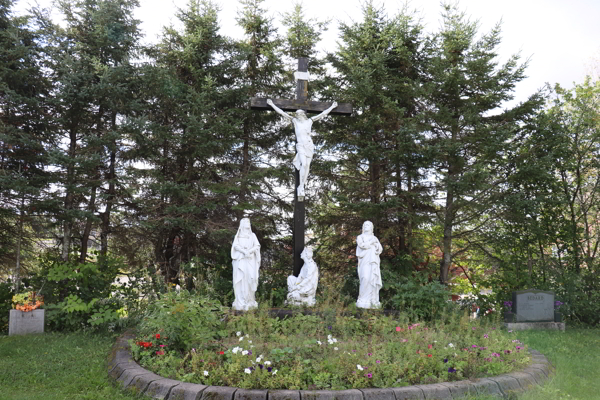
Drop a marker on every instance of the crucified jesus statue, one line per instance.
(305, 148)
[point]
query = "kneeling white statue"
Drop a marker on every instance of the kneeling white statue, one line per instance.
(368, 250)
(302, 289)
(245, 253)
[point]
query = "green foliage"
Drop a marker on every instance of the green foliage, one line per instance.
(6, 295)
(78, 295)
(416, 296)
(185, 319)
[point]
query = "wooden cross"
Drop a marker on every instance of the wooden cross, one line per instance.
(301, 102)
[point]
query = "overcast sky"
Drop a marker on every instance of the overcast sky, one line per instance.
(561, 37)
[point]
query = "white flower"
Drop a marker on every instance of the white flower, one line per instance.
(274, 372)
(236, 349)
(238, 333)
(258, 359)
(251, 346)
(450, 345)
(328, 336)
(244, 352)
(248, 371)
(242, 338)
(334, 340)
(335, 348)
(319, 342)
(359, 367)
(205, 373)
(267, 362)
(250, 341)
(330, 341)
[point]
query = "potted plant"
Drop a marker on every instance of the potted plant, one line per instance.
(557, 313)
(26, 316)
(508, 314)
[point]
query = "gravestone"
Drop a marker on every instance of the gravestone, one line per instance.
(533, 305)
(25, 322)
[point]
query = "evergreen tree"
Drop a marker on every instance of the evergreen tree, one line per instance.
(93, 76)
(373, 169)
(465, 88)
(24, 138)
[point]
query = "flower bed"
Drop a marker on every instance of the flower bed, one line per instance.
(133, 377)
(339, 352)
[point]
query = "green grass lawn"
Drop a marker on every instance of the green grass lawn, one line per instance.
(56, 366)
(575, 354)
(72, 366)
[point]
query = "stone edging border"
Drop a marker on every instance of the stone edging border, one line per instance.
(130, 375)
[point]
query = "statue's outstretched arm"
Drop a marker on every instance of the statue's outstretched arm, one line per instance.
(324, 113)
(279, 110)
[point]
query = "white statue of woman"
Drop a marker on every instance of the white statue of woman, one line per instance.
(368, 250)
(245, 253)
(302, 289)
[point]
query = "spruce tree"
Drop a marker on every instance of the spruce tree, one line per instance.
(468, 132)
(373, 169)
(24, 138)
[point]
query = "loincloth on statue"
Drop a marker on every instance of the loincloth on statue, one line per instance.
(307, 150)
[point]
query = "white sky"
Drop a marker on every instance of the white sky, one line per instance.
(562, 37)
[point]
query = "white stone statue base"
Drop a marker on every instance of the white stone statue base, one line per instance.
(368, 305)
(244, 307)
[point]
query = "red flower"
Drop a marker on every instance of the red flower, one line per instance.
(221, 352)
(158, 335)
(429, 346)
(429, 355)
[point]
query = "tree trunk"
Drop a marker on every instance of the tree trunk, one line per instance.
(68, 203)
(448, 225)
(88, 226)
(110, 199)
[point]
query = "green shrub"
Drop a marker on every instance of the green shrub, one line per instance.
(79, 295)
(6, 294)
(415, 295)
(186, 320)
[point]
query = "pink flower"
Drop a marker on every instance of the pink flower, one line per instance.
(398, 329)
(160, 353)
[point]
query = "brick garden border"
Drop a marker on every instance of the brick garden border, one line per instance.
(131, 376)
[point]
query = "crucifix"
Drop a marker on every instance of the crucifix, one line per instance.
(304, 145)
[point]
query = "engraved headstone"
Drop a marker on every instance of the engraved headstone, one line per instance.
(533, 305)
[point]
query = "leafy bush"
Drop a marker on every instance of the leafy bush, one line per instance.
(79, 295)
(186, 320)
(415, 295)
(6, 294)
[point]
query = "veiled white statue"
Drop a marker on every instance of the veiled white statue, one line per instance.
(302, 289)
(245, 253)
(368, 250)
(305, 148)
